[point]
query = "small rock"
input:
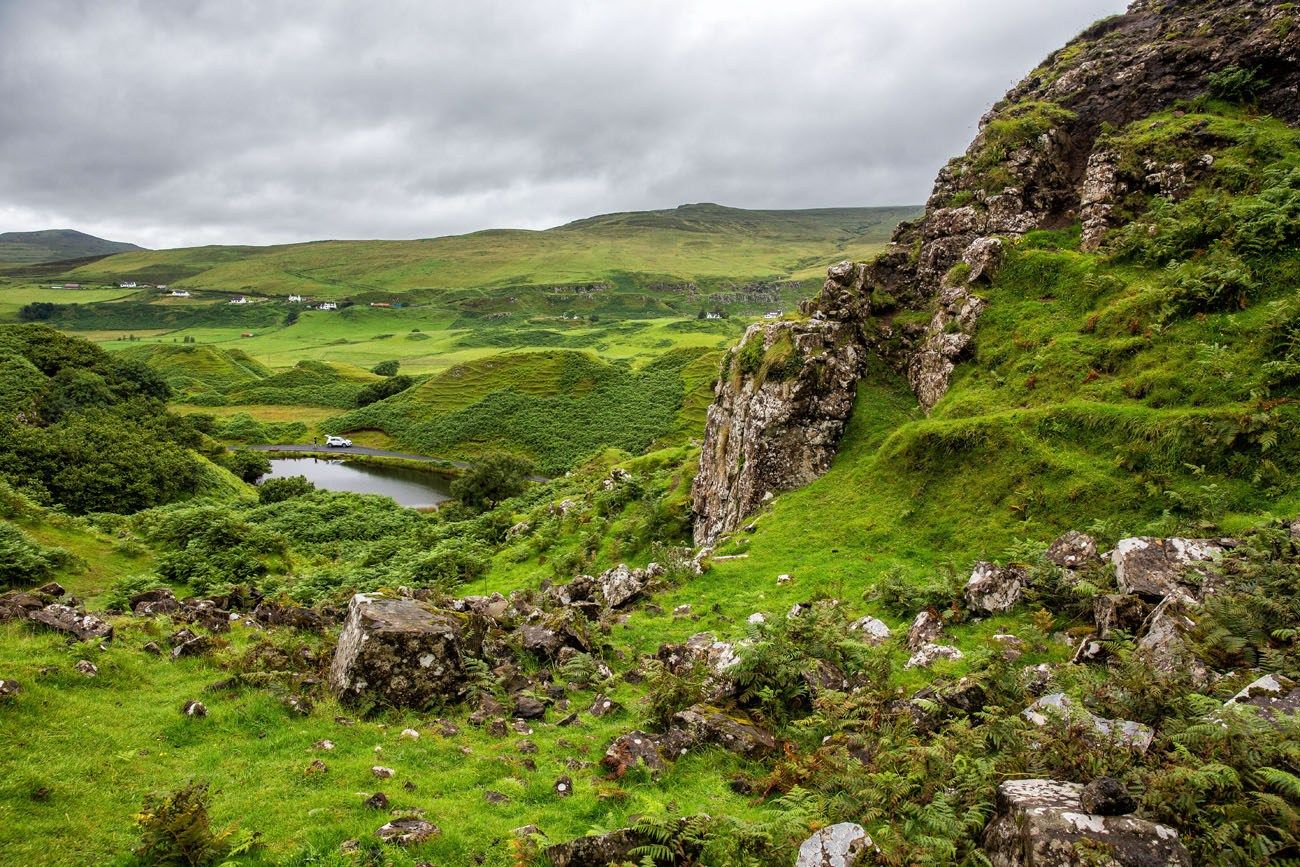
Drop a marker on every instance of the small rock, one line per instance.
(527, 707)
(925, 629)
(9, 689)
(928, 654)
(383, 773)
(870, 630)
(526, 747)
(316, 767)
(564, 787)
(348, 846)
(407, 831)
(1058, 705)
(1106, 796)
(1073, 551)
(377, 801)
(756, 618)
(603, 706)
(410, 734)
(495, 797)
(1274, 695)
(682, 611)
(195, 709)
(152, 648)
(783, 579)
(62, 618)
(86, 667)
(994, 588)
(324, 744)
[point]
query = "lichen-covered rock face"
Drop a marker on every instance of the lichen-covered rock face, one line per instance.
(1156, 568)
(1040, 823)
(78, 624)
(781, 406)
(709, 725)
(839, 845)
(994, 588)
(1059, 708)
(397, 652)
(1273, 695)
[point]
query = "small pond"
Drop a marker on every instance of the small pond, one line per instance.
(408, 487)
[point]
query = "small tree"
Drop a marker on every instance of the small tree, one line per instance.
(249, 466)
(493, 479)
(386, 368)
(278, 490)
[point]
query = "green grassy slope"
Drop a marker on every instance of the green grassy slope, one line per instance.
(702, 243)
(53, 245)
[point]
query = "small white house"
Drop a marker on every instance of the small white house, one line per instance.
(328, 305)
(56, 285)
(772, 314)
(179, 293)
(126, 284)
(240, 300)
(295, 299)
(712, 315)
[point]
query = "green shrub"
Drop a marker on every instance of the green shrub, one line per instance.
(492, 479)
(1235, 84)
(386, 368)
(248, 465)
(23, 561)
(283, 488)
(175, 829)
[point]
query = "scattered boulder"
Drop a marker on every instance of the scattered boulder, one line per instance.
(630, 749)
(383, 773)
(603, 706)
(1073, 551)
(540, 640)
(621, 585)
(53, 588)
(1119, 611)
(596, 850)
(1040, 823)
(1156, 568)
(86, 667)
(984, 256)
(1107, 796)
(196, 646)
(928, 654)
(81, 626)
(527, 707)
(925, 629)
(563, 787)
(377, 801)
(294, 616)
(9, 689)
(1165, 650)
(737, 734)
(1060, 706)
(834, 846)
(397, 652)
(407, 831)
(870, 630)
(994, 588)
(1273, 694)
(194, 709)
(495, 797)
(152, 648)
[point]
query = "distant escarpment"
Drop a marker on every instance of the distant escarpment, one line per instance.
(1042, 159)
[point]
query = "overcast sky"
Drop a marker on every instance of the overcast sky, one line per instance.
(182, 122)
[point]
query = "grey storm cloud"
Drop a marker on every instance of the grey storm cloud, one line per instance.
(182, 122)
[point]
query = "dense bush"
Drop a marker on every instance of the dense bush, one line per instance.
(384, 389)
(283, 488)
(492, 479)
(248, 465)
(23, 561)
(386, 368)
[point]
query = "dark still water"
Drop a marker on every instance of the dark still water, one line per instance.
(407, 487)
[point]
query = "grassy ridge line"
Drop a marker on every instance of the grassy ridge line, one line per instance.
(692, 243)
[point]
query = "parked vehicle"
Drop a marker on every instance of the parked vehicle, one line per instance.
(338, 442)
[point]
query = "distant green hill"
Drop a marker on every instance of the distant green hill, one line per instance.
(56, 245)
(708, 245)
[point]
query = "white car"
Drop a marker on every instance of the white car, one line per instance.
(338, 442)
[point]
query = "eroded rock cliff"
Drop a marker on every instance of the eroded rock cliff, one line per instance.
(1041, 160)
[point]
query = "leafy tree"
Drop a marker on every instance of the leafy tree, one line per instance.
(248, 465)
(37, 311)
(378, 391)
(386, 368)
(495, 478)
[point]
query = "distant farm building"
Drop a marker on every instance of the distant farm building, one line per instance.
(126, 284)
(295, 299)
(380, 304)
(57, 285)
(246, 334)
(178, 293)
(240, 300)
(71, 285)
(328, 305)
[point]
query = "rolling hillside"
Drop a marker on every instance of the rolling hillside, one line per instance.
(56, 245)
(706, 244)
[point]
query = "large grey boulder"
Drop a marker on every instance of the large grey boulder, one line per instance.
(70, 621)
(834, 846)
(1040, 823)
(1156, 568)
(397, 652)
(994, 588)
(733, 732)
(870, 629)
(925, 629)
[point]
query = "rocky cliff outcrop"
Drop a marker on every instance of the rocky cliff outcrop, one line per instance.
(1040, 160)
(782, 402)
